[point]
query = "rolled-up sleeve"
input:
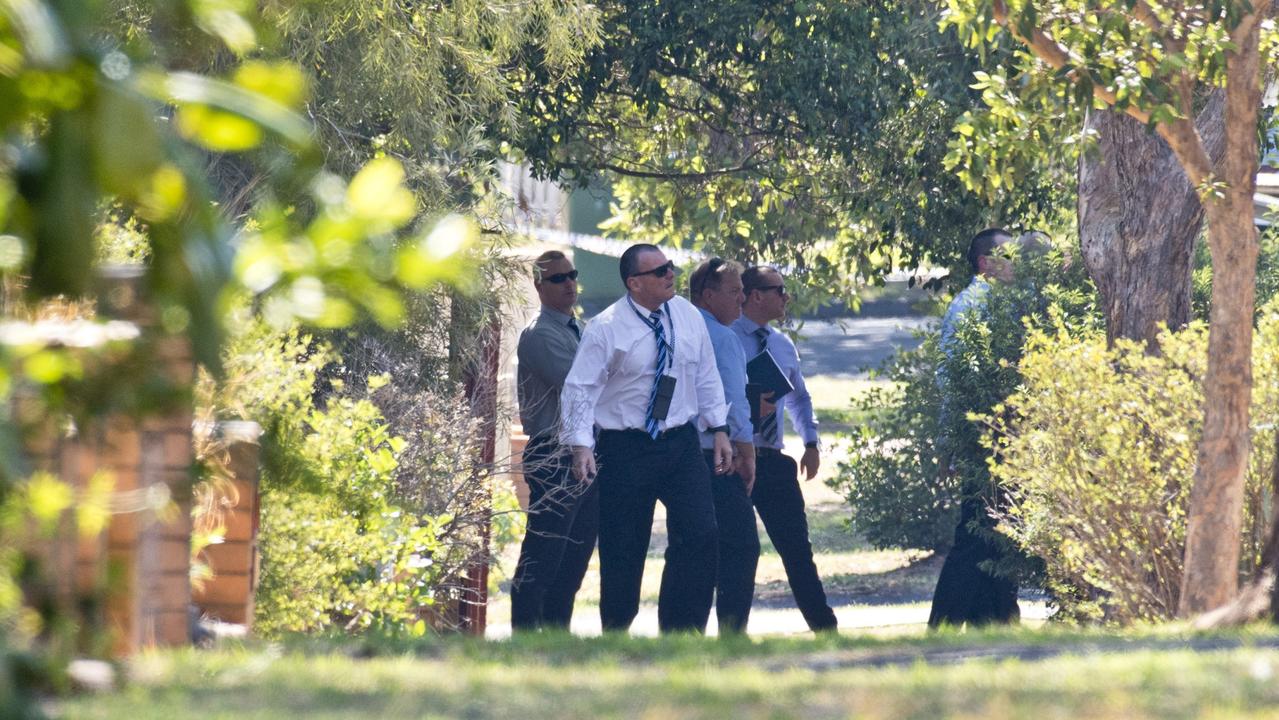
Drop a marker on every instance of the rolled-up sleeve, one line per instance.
(582, 388)
(799, 403)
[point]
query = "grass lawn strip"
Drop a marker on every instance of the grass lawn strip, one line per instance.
(999, 674)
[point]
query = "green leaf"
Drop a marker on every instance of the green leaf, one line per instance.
(377, 193)
(216, 130)
(283, 82)
(183, 89)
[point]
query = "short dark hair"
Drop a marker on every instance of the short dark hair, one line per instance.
(983, 244)
(709, 275)
(753, 277)
(546, 258)
(629, 264)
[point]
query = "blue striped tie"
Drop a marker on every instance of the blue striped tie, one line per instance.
(767, 424)
(655, 321)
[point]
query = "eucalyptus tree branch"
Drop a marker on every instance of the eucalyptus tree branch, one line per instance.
(1180, 133)
(1146, 16)
(1050, 51)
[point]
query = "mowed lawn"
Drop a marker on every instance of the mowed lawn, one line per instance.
(1085, 675)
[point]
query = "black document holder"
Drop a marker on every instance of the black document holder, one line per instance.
(763, 375)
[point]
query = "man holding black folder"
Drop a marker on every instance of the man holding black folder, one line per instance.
(773, 368)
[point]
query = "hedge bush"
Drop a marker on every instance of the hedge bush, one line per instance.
(891, 478)
(360, 528)
(1096, 451)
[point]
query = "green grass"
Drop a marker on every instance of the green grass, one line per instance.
(1090, 674)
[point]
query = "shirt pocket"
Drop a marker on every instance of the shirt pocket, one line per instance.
(687, 357)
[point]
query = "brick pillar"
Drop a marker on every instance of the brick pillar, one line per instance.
(149, 537)
(228, 595)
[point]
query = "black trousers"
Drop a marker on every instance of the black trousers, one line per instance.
(636, 471)
(965, 592)
(738, 550)
(563, 520)
(780, 503)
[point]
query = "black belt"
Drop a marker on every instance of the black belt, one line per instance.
(661, 435)
(767, 451)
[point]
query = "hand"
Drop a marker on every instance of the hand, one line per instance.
(744, 464)
(810, 462)
(766, 405)
(584, 464)
(723, 454)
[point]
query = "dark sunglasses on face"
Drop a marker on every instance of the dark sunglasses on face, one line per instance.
(781, 289)
(558, 278)
(660, 271)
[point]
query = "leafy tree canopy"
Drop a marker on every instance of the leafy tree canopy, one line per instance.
(809, 133)
(1154, 61)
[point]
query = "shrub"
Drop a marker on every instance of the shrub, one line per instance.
(920, 424)
(344, 540)
(1096, 451)
(337, 545)
(891, 479)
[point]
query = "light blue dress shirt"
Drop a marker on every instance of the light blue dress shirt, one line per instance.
(968, 300)
(731, 361)
(797, 403)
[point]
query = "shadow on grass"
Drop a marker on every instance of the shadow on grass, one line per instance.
(912, 583)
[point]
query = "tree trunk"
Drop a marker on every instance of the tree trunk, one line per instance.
(1216, 499)
(1215, 514)
(1138, 221)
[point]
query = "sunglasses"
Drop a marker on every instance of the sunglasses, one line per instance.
(558, 278)
(781, 289)
(660, 271)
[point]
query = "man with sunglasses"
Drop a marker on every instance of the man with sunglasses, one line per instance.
(966, 592)
(777, 495)
(645, 378)
(563, 514)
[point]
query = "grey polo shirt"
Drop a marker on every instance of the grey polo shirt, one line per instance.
(545, 354)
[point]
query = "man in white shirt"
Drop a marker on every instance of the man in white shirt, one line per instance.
(645, 378)
(777, 495)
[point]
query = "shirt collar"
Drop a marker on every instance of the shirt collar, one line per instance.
(709, 317)
(555, 315)
(750, 326)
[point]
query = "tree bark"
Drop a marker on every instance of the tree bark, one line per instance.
(1215, 515)
(1216, 499)
(1139, 218)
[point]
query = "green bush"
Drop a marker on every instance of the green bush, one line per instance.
(1096, 451)
(891, 479)
(341, 544)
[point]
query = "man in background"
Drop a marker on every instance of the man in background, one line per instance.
(966, 592)
(563, 513)
(716, 290)
(777, 495)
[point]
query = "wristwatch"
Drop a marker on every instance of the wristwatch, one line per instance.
(720, 428)
(811, 445)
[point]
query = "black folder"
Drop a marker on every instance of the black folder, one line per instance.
(763, 375)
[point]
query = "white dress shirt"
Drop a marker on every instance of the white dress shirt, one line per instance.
(797, 403)
(612, 376)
